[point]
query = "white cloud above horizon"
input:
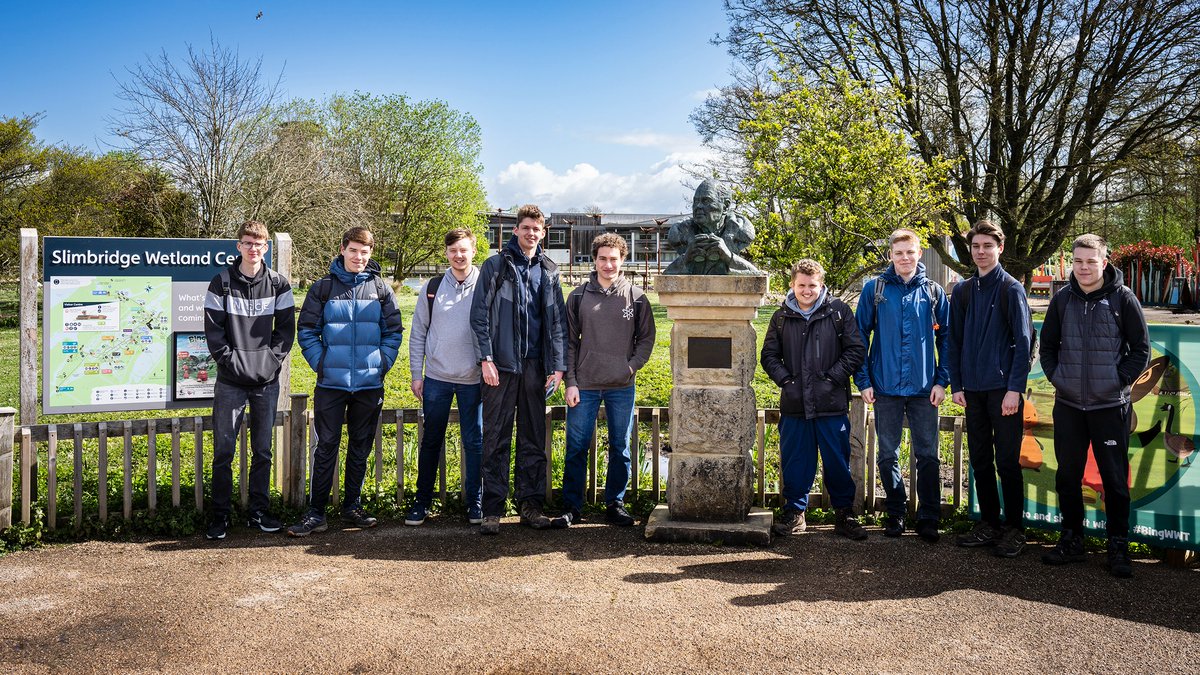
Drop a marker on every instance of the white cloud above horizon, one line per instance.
(661, 187)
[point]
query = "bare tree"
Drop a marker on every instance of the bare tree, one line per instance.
(196, 120)
(293, 183)
(1039, 101)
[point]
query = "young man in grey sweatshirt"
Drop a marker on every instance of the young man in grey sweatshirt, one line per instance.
(441, 357)
(610, 334)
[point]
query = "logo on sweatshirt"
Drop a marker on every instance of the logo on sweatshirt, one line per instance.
(628, 313)
(1110, 442)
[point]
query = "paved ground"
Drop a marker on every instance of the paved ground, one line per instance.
(591, 599)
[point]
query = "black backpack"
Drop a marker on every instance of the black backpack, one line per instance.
(964, 301)
(933, 291)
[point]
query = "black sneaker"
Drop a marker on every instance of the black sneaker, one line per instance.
(848, 526)
(1119, 564)
(264, 521)
(893, 526)
(617, 515)
(357, 517)
(217, 527)
(927, 529)
(1012, 542)
(568, 518)
(531, 515)
(312, 522)
(791, 522)
(1069, 549)
(983, 534)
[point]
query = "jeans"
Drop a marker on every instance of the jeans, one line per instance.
(923, 424)
(523, 395)
(581, 425)
(1107, 432)
(435, 402)
(799, 441)
(360, 410)
(994, 445)
(229, 401)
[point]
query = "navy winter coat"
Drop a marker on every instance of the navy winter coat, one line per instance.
(989, 351)
(350, 328)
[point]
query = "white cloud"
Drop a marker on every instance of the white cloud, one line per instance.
(661, 188)
(703, 94)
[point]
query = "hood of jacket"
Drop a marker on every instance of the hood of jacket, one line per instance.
(514, 247)
(338, 269)
(593, 284)
(1113, 279)
(889, 276)
(792, 306)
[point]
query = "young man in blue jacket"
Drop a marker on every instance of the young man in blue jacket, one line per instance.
(989, 358)
(520, 327)
(1095, 344)
(250, 324)
(903, 317)
(350, 334)
(811, 350)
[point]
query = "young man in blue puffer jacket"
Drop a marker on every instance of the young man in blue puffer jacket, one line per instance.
(349, 332)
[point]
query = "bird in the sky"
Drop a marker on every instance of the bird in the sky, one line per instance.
(258, 16)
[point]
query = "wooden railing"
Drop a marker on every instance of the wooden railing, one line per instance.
(177, 450)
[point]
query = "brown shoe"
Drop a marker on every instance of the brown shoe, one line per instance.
(531, 515)
(791, 522)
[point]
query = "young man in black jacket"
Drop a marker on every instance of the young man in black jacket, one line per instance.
(520, 326)
(250, 323)
(1094, 345)
(812, 347)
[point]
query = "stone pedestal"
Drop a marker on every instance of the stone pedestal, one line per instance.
(710, 485)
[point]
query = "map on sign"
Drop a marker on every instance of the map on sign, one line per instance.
(108, 340)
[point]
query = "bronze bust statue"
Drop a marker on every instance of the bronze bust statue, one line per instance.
(709, 242)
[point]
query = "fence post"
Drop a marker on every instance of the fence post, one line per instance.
(28, 349)
(299, 451)
(283, 265)
(858, 446)
(6, 466)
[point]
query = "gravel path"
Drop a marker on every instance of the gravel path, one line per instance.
(590, 599)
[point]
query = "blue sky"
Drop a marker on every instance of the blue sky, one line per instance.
(580, 102)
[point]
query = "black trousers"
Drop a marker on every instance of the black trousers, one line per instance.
(994, 446)
(524, 394)
(360, 411)
(1107, 431)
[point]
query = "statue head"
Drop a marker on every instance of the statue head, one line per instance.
(709, 205)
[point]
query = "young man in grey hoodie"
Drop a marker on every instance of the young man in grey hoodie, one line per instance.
(441, 357)
(610, 334)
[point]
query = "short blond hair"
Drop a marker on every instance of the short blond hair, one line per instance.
(904, 234)
(810, 267)
(1092, 241)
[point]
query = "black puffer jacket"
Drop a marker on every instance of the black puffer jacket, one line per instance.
(1091, 353)
(812, 359)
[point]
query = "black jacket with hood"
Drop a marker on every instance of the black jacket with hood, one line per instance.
(813, 359)
(250, 326)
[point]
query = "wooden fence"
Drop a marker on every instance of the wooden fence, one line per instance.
(114, 458)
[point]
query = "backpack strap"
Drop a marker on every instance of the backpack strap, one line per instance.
(431, 290)
(225, 289)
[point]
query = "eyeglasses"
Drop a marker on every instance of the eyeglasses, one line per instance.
(253, 245)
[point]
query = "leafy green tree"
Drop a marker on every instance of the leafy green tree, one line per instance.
(828, 178)
(22, 161)
(416, 166)
(1040, 102)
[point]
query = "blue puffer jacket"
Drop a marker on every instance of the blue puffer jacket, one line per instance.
(350, 328)
(905, 334)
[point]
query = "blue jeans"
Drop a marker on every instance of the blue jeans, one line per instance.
(799, 441)
(435, 402)
(581, 423)
(923, 424)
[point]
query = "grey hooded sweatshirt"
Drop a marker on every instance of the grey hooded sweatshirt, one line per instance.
(444, 348)
(610, 334)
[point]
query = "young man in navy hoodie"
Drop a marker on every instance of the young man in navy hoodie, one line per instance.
(350, 333)
(989, 358)
(250, 323)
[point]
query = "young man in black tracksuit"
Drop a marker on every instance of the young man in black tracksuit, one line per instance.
(811, 350)
(1094, 345)
(250, 323)
(520, 326)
